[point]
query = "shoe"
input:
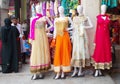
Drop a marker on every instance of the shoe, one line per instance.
(74, 76)
(57, 78)
(33, 79)
(38, 77)
(82, 75)
(63, 77)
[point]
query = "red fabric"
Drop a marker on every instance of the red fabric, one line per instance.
(102, 53)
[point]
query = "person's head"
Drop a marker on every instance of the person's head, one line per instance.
(7, 22)
(14, 20)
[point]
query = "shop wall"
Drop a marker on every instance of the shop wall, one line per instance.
(4, 5)
(91, 9)
(23, 10)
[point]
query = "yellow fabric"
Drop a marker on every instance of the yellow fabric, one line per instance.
(61, 25)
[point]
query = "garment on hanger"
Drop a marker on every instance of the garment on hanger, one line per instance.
(52, 9)
(48, 9)
(80, 53)
(33, 10)
(110, 3)
(73, 4)
(40, 55)
(44, 8)
(62, 56)
(102, 54)
(65, 4)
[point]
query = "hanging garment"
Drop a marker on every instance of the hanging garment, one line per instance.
(110, 3)
(52, 9)
(40, 55)
(80, 53)
(44, 8)
(62, 56)
(65, 4)
(48, 9)
(56, 5)
(73, 4)
(102, 53)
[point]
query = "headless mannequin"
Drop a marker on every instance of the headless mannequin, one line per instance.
(39, 11)
(103, 11)
(80, 13)
(61, 16)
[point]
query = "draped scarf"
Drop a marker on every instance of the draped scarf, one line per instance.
(32, 26)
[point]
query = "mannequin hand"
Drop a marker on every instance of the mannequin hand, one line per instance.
(94, 45)
(52, 45)
(47, 30)
(30, 41)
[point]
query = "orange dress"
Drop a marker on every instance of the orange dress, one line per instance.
(62, 56)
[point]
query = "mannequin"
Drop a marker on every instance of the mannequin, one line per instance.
(80, 52)
(61, 37)
(102, 57)
(39, 40)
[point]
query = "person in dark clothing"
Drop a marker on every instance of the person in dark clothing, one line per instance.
(9, 35)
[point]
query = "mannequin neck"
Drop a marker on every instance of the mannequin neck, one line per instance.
(80, 14)
(62, 15)
(102, 13)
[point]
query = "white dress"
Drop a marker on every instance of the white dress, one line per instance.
(80, 52)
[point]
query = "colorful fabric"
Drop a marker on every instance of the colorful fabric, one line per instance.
(102, 54)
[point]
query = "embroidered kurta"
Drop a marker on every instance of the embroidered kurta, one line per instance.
(80, 53)
(40, 55)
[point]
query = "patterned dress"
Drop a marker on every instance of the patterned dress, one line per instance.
(40, 55)
(62, 56)
(80, 53)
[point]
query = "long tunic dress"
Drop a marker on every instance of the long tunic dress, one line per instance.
(80, 53)
(9, 49)
(40, 55)
(62, 56)
(102, 53)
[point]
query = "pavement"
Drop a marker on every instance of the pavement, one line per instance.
(24, 77)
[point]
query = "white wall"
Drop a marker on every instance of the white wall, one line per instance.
(91, 9)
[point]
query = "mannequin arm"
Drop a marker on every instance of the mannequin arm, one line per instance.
(21, 32)
(89, 23)
(54, 33)
(71, 22)
(49, 22)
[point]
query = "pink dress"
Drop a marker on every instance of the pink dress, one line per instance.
(102, 58)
